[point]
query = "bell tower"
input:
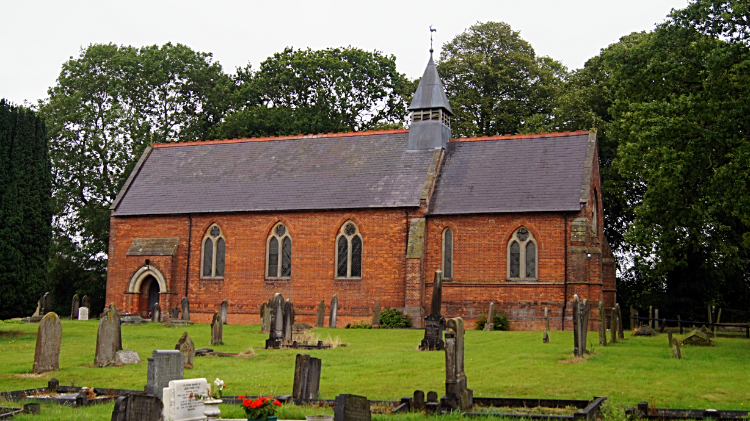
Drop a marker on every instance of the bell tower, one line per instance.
(430, 112)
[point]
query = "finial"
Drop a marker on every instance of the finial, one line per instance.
(431, 31)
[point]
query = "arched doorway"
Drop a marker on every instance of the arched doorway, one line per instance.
(153, 294)
(147, 284)
(149, 295)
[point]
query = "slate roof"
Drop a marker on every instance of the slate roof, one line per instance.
(336, 171)
(430, 92)
(513, 174)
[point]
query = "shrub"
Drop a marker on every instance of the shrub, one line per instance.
(358, 325)
(393, 318)
(500, 321)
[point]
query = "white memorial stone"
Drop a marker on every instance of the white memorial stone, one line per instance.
(178, 405)
(83, 313)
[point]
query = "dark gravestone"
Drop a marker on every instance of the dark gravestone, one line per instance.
(163, 367)
(175, 314)
(48, 340)
(434, 322)
(137, 408)
(545, 338)
(224, 311)
(602, 325)
(334, 311)
(276, 334)
(352, 408)
(490, 325)
(376, 315)
(577, 348)
(187, 351)
(185, 308)
(585, 312)
(306, 377)
(156, 313)
(321, 319)
(288, 321)
(457, 395)
(613, 326)
(86, 302)
(107, 338)
(419, 400)
(217, 330)
(53, 384)
(74, 307)
(656, 322)
(432, 397)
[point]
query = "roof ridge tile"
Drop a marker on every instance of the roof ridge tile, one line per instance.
(520, 136)
(284, 137)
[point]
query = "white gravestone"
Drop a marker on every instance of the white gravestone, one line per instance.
(83, 313)
(178, 405)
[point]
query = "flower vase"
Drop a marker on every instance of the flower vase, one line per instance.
(270, 418)
(211, 408)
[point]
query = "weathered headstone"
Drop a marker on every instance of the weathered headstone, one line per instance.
(351, 408)
(645, 330)
(265, 318)
(86, 302)
(217, 330)
(576, 323)
(585, 312)
(334, 311)
(490, 325)
(676, 349)
(602, 325)
(179, 400)
(434, 322)
(187, 350)
(224, 311)
(74, 307)
(106, 338)
(137, 408)
(46, 304)
(83, 313)
(126, 357)
(163, 367)
(306, 377)
(185, 308)
(288, 321)
(376, 315)
(620, 327)
(546, 319)
(156, 313)
(613, 326)
(175, 313)
(457, 395)
(419, 400)
(48, 340)
(321, 318)
(276, 334)
(696, 337)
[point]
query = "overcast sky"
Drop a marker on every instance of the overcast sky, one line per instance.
(38, 36)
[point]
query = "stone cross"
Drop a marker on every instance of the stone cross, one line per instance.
(620, 331)
(156, 313)
(613, 326)
(334, 311)
(74, 308)
(434, 322)
(602, 325)
(186, 348)
(546, 319)
(276, 334)
(490, 325)
(107, 338)
(376, 315)
(83, 313)
(321, 319)
(224, 311)
(288, 321)
(457, 395)
(86, 302)
(175, 314)
(185, 304)
(137, 408)
(217, 330)
(351, 408)
(306, 377)
(48, 341)
(163, 367)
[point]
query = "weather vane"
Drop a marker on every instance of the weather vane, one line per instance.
(431, 31)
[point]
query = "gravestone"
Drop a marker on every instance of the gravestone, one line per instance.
(137, 408)
(602, 325)
(434, 322)
(419, 400)
(334, 311)
(620, 328)
(351, 408)
(156, 313)
(266, 328)
(457, 395)
(46, 304)
(48, 340)
(306, 377)
(321, 319)
(676, 349)
(224, 311)
(656, 322)
(175, 313)
(126, 357)
(107, 337)
(490, 325)
(288, 321)
(185, 308)
(276, 334)
(74, 308)
(432, 406)
(86, 302)
(217, 330)
(83, 313)
(698, 338)
(645, 330)
(613, 326)
(545, 338)
(376, 315)
(38, 309)
(163, 367)
(179, 405)
(546, 319)
(432, 397)
(187, 350)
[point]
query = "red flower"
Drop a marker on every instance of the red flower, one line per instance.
(277, 403)
(223, 386)
(247, 402)
(191, 395)
(241, 397)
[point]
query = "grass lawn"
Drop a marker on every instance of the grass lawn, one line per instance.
(385, 364)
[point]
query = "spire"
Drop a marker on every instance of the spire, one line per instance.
(430, 93)
(430, 112)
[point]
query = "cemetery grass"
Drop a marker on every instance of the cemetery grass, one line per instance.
(385, 364)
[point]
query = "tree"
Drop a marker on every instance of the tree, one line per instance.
(25, 209)
(496, 84)
(108, 105)
(718, 18)
(317, 91)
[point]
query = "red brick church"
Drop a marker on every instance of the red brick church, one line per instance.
(369, 216)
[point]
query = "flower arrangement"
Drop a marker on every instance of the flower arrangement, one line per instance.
(214, 391)
(261, 408)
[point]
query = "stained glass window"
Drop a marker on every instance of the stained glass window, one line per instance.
(343, 256)
(214, 247)
(522, 256)
(349, 252)
(530, 260)
(356, 257)
(215, 231)
(515, 260)
(273, 258)
(448, 253)
(220, 246)
(279, 242)
(350, 229)
(286, 257)
(208, 257)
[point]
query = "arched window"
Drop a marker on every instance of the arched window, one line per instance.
(522, 256)
(279, 243)
(349, 252)
(212, 264)
(447, 253)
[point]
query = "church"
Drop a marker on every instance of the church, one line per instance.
(515, 220)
